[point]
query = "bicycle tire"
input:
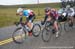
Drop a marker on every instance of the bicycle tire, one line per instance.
(67, 28)
(47, 32)
(16, 37)
(36, 33)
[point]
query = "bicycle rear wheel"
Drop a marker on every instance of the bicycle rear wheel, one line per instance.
(36, 30)
(18, 35)
(67, 27)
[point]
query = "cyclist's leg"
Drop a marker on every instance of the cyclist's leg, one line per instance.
(56, 25)
(30, 24)
(56, 28)
(72, 14)
(71, 19)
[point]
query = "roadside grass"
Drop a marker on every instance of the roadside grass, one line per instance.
(8, 16)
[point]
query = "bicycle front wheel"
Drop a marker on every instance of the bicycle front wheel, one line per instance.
(18, 35)
(46, 34)
(36, 30)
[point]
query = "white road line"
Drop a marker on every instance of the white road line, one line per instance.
(57, 47)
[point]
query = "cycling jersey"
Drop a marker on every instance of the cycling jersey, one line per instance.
(70, 11)
(26, 13)
(51, 13)
(29, 15)
(60, 11)
(54, 14)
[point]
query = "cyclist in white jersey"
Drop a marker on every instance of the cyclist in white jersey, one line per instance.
(70, 13)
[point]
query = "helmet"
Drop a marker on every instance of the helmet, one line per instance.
(19, 10)
(47, 9)
(68, 6)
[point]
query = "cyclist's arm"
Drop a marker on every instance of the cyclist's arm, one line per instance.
(45, 18)
(72, 10)
(20, 19)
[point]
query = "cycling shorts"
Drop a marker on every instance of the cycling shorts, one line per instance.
(30, 18)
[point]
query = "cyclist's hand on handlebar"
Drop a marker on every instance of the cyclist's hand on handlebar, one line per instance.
(34, 17)
(16, 23)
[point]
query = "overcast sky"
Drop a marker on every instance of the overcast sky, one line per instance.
(15, 2)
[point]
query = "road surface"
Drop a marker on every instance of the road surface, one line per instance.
(65, 41)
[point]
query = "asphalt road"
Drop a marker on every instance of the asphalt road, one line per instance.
(65, 41)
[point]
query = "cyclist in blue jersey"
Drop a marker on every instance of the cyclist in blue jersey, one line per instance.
(29, 14)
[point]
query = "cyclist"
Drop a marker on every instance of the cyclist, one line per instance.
(29, 14)
(70, 14)
(62, 15)
(60, 11)
(51, 14)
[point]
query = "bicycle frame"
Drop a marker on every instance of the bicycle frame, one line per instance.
(22, 25)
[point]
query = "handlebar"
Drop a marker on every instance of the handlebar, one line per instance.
(17, 23)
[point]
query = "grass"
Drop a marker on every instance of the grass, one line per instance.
(8, 15)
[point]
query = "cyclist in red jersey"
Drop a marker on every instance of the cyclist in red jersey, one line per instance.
(51, 14)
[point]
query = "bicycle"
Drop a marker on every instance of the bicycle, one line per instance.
(68, 26)
(48, 31)
(20, 33)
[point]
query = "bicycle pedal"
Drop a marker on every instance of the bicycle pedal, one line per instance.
(53, 31)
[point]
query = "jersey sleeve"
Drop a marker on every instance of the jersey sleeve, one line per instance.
(26, 13)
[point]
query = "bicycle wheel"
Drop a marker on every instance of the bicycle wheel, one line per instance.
(36, 30)
(18, 35)
(46, 34)
(67, 27)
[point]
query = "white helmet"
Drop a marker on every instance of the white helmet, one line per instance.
(68, 6)
(19, 10)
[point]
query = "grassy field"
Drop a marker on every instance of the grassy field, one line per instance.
(8, 14)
